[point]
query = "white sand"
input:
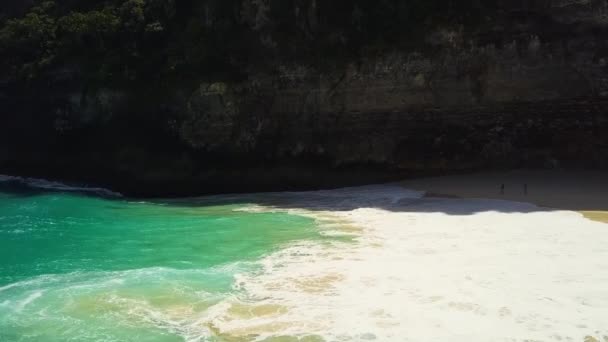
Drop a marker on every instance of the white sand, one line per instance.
(433, 270)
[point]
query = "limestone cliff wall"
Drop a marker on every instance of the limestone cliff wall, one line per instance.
(530, 89)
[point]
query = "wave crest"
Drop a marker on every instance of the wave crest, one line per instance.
(38, 183)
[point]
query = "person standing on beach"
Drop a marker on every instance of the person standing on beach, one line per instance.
(502, 189)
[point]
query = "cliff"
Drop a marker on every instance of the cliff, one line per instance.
(524, 84)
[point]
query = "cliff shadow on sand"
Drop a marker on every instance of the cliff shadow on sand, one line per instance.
(521, 191)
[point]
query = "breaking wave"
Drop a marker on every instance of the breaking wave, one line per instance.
(37, 183)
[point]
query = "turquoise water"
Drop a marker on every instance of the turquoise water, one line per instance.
(75, 267)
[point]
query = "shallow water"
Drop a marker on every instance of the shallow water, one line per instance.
(84, 268)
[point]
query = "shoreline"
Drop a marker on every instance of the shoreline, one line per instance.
(585, 192)
(461, 269)
(387, 264)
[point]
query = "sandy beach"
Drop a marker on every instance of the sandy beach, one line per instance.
(582, 191)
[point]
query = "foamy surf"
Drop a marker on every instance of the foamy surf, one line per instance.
(429, 270)
(165, 299)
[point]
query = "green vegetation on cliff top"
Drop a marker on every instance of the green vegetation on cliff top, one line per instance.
(163, 40)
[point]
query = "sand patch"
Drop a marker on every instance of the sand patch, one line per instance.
(599, 216)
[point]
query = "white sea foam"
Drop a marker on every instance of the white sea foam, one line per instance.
(431, 270)
(29, 299)
(9, 286)
(57, 186)
(125, 297)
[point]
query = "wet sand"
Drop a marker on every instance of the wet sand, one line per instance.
(582, 191)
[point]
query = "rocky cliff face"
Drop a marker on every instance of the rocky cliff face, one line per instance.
(529, 89)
